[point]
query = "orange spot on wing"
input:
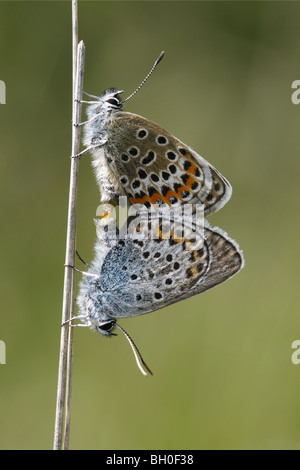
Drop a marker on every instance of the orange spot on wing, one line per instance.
(192, 169)
(156, 197)
(190, 182)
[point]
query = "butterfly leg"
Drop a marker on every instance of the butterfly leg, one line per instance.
(88, 121)
(88, 149)
(78, 317)
(87, 265)
(88, 102)
(82, 272)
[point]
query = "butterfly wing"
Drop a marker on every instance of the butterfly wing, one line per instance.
(226, 260)
(145, 274)
(154, 167)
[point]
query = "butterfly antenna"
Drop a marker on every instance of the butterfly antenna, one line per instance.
(139, 360)
(146, 78)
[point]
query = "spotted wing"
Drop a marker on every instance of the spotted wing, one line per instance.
(143, 274)
(156, 168)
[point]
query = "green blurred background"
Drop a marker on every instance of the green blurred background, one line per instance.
(223, 375)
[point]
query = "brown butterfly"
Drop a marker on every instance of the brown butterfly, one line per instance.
(135, 157)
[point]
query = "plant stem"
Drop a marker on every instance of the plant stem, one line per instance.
(61, 432)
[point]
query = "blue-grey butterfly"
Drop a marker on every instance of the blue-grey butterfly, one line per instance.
(158, 260)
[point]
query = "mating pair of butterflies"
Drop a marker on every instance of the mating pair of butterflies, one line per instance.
(136, 273)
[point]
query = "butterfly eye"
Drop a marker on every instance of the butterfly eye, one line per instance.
(115, 102)
(106, 327)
